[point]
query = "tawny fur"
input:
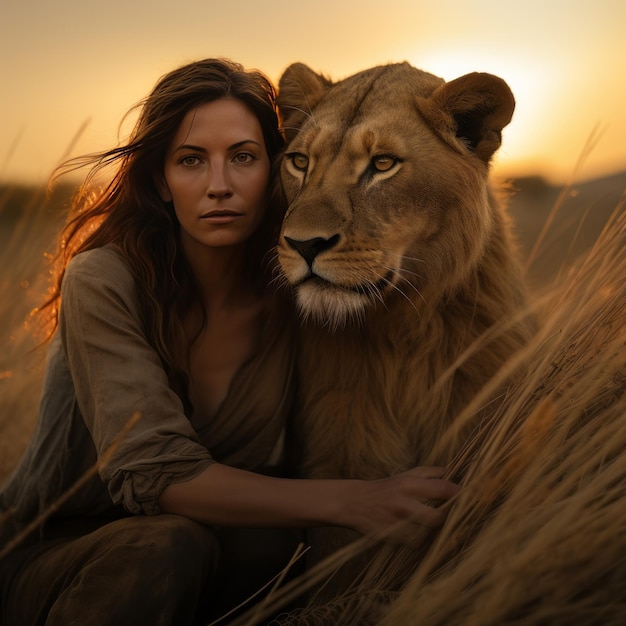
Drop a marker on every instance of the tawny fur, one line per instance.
(389, 170)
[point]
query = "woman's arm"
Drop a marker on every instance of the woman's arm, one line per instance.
(226, 496)
(116, 373)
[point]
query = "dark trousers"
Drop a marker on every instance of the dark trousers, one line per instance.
(160, 570)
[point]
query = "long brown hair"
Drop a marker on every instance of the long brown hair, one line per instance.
(129, 212)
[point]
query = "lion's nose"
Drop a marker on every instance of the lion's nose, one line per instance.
(308, 249)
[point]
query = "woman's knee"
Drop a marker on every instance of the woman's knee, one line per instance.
(167, 541)
(142, 570)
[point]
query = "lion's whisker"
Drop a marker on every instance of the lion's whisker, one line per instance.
(405, 296)
(412, 258)
(406, 271)
(407, 282)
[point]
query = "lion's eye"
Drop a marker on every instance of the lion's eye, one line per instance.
(300, 161)
(383, 162)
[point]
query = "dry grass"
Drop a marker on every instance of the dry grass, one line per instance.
(537, 536)
(29, 220)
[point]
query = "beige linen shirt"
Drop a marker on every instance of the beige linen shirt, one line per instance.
(101, 369)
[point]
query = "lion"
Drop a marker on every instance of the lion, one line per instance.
(401, 258)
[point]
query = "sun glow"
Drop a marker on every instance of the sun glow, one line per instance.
(564, 62)
(530, 83)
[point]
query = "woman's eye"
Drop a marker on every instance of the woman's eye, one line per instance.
(300, 161)
(190, 160)
(383, 162)
(243, 157)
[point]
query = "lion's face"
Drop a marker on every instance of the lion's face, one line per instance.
(386, 179)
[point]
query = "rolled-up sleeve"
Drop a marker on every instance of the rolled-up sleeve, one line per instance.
(116, 373)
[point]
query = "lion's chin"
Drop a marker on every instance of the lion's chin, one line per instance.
(330, 306)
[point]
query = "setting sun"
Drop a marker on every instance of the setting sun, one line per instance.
(529, 83)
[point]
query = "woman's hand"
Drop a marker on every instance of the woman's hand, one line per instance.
(376, 505)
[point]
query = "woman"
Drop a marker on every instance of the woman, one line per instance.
(163, 310)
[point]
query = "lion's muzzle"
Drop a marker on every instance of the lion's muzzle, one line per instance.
(308, 249)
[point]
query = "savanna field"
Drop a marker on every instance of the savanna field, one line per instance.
(538, 535)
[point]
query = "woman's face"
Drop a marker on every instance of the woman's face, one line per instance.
(216, 173)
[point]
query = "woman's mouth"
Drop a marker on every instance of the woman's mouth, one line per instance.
(221, 216)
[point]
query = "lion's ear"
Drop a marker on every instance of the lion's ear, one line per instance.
(299, 90)
(471, 112)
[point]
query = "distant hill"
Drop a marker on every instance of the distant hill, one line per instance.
(18, 199)
(583, 211)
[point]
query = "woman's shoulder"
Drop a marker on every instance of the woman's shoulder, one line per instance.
(106, 264)
(98, 280)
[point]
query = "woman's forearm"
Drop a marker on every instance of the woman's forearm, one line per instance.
(227, 496)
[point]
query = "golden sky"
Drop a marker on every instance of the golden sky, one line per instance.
(66, 62)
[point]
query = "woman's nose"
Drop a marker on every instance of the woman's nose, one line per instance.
(219, 186)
